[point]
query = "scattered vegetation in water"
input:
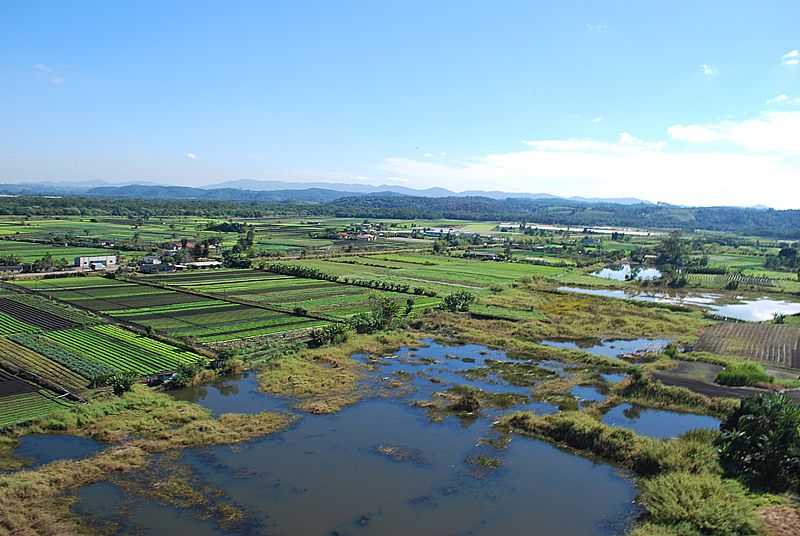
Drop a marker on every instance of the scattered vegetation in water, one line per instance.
(466, 402)
(171, 483)
(522, 374)
(324, 380)
(642, 390)
(487, 462)
(402, 454)
(137, 425)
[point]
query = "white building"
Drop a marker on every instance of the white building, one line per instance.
(100, 262)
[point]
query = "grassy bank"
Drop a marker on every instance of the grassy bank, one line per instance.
(682, 488)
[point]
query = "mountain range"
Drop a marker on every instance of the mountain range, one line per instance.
(258, 190)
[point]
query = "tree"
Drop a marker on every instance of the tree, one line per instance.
(122, 382)
(760, 442)
(672, 251)
(458, 301)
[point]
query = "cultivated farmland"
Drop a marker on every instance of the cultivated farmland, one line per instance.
(317, 297)
(171, 311)
(775, 344)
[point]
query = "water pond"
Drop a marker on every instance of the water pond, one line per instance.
(626, 272)
(613, 348)
(41, 449)
(741, 308)
(655, 422)
(382, 466)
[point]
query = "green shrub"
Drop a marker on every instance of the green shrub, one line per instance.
(185, 374)
(708, 503)
(122, 382)
(458, 301)
(652, 529)
(330, 334)
(760, 442)
(744, 373)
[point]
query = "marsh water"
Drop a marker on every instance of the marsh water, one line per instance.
(626, 272)
(739, 308)
(41, 449)
(655, 422)
(385, 466)
(613, 348)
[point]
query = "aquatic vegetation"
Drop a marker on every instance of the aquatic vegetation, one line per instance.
(324, 380)
(645, 391)
(139, 424)
(517, 373)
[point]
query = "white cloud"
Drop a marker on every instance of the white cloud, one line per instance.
(773, 132)
(48, 73)
(601, 27)
(597, 119)
(630, 166)
(791, 58)
(783, 98)
(708, 70)
(191, 156)
(428, 155)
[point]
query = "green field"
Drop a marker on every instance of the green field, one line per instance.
(336, 300)
(439, 273)
(172, 312)
(25, 407)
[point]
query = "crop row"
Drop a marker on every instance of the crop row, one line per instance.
(34, 316)
(89, 369)
(44, 304)
(147, 343)
(31, 361)
(175, 308)
(301, 323)
(766, 342)
(25, 407)
(10, 325)
(116, 353)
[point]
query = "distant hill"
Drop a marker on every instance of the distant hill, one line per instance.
(259, 185)
(135, 191)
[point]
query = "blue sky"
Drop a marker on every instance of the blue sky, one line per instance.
(686, 102)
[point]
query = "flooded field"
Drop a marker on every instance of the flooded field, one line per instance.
(386, 466)
(745, 309)
(626, 272)
(613, 348)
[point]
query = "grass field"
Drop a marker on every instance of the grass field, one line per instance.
(440, 273)
(315, 296)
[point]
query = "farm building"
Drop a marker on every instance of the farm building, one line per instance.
(198, 264)
(100, 262)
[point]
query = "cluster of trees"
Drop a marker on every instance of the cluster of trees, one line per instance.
(314, 273)
(786, 259)
(299, 271)
(746, 221)
(228, 227)
(768, 222)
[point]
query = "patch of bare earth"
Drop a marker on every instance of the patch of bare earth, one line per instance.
(781, 520)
